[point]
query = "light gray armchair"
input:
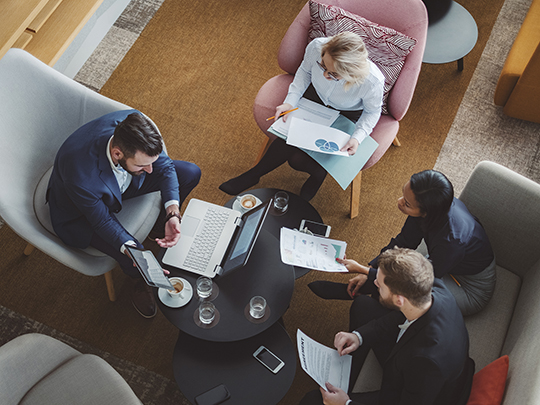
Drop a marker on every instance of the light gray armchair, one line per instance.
(508, 206)
(39, 109)
(37, 369)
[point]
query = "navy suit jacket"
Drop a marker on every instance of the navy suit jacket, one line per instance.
(459, 245)
(430, 364)
(83, 193)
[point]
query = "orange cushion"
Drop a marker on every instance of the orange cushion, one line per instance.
(489, 383)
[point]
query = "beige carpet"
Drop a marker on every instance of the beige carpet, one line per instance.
(195, 70)
(480, 130)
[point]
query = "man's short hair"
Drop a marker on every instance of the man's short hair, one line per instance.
(407, 273)
(137, 134)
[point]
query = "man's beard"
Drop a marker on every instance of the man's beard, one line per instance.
(387, 303)
(122, 162)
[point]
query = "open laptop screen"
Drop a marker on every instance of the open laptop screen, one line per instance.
(244, 240)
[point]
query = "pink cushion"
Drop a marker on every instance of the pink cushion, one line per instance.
(387, 47)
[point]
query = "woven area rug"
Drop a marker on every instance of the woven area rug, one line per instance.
(480, 130)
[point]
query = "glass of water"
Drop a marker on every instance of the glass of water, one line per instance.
(204, 287)
(281, 201)
(207, 312)
(257, 307)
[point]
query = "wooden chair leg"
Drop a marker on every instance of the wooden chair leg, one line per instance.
(110, 285)
(263, 150)
(396, 142)
(28, 249)
(355, 195)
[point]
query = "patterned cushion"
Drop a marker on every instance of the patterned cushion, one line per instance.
(387, 48)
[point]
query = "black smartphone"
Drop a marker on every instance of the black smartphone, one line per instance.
(214, 396)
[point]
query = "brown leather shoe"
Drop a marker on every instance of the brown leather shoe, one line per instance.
(143, 300)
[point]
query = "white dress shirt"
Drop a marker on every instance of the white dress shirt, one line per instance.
(367, 96)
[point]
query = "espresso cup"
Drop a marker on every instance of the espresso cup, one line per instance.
(247, 201)
(178, 285)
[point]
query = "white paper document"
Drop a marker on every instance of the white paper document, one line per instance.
(313, 252)
(317, 137)
(308, 111)
(322, 363)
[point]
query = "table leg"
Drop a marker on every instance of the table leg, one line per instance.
(460, 64)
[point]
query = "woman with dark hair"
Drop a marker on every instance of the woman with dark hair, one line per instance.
(456, 242)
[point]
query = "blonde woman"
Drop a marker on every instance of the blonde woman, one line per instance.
(337, 73)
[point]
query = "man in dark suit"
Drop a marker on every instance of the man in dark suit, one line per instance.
(108, 160)
(417, 333)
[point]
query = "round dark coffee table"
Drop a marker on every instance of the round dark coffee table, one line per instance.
(200, 366)
(265, 275)
(298, 210)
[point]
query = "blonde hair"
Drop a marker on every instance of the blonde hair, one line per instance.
(350, 57)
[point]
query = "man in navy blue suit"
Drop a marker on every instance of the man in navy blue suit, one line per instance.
(417, 333)
(108, 160)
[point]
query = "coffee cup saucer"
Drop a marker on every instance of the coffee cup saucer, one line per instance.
(238, 207)
(177, 302)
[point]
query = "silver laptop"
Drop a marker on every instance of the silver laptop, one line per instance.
(214, 239)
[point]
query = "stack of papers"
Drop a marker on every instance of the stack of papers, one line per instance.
(313, 252)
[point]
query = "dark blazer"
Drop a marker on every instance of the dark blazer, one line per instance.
(83, 193)
(458, 246)
(430, 364)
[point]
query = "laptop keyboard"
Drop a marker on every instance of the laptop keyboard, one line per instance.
(205, 241)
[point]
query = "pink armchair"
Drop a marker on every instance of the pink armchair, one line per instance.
(406, 16)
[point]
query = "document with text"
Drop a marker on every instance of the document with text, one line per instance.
(312, 252)
(308, 111)
(322, 363)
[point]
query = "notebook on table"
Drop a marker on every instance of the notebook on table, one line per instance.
(214, 239)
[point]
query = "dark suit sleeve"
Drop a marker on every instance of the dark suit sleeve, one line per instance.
(445, 255)
(163, 168)
(410, 237)
(383, 328)
(98, 215)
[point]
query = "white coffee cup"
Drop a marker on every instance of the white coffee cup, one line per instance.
(178, 285)
(247, 202)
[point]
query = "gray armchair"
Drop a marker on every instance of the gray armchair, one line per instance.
(37, 369)
(39, 109)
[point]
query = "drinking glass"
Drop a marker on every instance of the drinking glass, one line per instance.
(281, 201)
(204, 287)
(257, 307)
(207, 312)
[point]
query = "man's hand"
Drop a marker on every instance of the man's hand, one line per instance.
(355, 284)
(350, 146)
(346, 342)
(334, 395)
(172, 233)
(281, 109)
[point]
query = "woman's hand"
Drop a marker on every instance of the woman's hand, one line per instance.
(355, 283)
(350, 146)
(353, 266)
(281, 109)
